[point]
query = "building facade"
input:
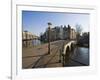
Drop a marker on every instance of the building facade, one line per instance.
(27, 38)
(59, 33)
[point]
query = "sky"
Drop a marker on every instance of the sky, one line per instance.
(36, 21)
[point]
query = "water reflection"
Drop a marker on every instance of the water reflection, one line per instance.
(36, 42)
(78, 57)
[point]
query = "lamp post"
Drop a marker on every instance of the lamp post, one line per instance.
(49, 26)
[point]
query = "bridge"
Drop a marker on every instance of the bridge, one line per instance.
(69, 46)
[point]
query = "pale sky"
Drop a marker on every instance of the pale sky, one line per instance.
(36, 22)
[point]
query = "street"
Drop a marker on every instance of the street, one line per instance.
(36, 57)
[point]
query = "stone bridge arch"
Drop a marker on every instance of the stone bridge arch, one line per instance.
(69, 46)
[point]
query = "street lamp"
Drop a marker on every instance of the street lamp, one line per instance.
(49, 26)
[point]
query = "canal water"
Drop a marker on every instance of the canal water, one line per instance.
(36, 42)
(78, 57)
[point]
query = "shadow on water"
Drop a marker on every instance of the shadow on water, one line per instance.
(79, 56)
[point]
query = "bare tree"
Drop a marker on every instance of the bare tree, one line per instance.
(78, 31)
(78, 28)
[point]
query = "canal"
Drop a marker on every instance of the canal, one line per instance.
(78, 57)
